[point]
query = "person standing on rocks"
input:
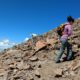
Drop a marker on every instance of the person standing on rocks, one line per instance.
(64, 40)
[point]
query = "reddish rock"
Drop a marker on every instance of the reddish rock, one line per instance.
(40, 44)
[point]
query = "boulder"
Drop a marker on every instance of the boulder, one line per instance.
(40, 44)
(51, 41)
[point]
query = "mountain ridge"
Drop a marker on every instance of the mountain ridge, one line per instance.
(35, 59)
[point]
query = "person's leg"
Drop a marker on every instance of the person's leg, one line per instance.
(63, 45)
(69, 51)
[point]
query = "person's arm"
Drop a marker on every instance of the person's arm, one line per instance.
(69, 30)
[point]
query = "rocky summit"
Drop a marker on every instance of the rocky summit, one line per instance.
(35, 59)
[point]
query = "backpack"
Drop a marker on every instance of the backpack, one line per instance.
(60, 29)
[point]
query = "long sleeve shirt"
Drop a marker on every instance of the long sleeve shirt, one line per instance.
(67, 31)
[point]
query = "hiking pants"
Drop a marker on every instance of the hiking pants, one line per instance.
(65, 44)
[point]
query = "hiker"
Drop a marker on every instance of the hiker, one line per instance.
(64, 40)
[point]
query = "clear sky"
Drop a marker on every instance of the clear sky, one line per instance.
(20, 18)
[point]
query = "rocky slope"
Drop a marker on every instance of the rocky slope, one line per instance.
(35, 59)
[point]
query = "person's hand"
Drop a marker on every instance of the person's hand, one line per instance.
(63, 33)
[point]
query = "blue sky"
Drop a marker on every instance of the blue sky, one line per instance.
(20, 18)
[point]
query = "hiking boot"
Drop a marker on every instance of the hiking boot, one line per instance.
(58, 61)
(64, 58)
